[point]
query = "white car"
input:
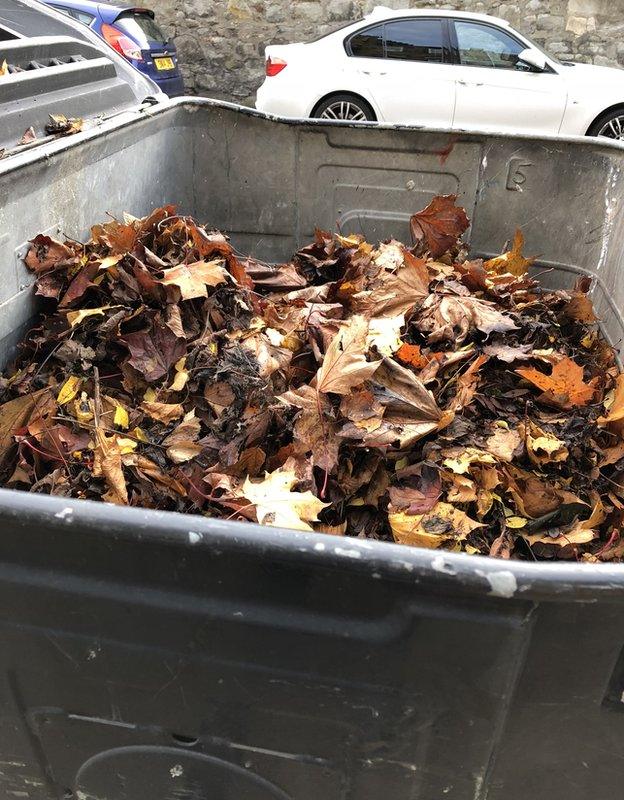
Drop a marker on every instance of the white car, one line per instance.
(441, 69)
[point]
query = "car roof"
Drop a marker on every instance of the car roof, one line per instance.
(382, 12)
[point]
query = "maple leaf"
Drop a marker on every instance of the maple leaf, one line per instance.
(615, 407)
(277, 505)
(564, 387)
(439, 225)
(512, 262)
(344, 365)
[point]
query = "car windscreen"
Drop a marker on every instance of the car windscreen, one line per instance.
(142, 27)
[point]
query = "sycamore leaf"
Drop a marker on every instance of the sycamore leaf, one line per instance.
(277, 505)
(564, 387)
(512, 262)
(345, 364)
(439, 225)
(442, 525)
(192, 279)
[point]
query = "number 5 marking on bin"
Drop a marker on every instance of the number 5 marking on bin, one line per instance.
(516, 175)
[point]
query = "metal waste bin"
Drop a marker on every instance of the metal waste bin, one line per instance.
(150, 656)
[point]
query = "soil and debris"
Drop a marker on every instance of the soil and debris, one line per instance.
(392, 392)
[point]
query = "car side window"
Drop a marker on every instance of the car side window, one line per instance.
(81, 16)
(368, 43)
(486, 46)
(415, 40)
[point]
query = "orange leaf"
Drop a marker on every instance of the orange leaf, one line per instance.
(411, 354)
(564, 387)
(512, 262)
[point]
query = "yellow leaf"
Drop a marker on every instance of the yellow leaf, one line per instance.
(277, 505)
(76, 317)
(181, 376)
(82, 409)
(516, 522)
(126, 445)
(121, 418)
(150, 395)
(69, 390)
(443, 525)
(139, 433)
(462, 460)
(110, 261)
(4, 69)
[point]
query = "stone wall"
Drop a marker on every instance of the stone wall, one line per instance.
(221, 42)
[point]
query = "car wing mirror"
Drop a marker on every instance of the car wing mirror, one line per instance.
(533, 59)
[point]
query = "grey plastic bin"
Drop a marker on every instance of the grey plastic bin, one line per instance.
(153, 656)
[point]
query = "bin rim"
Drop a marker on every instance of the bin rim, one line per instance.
(435, 571)
(48, 149)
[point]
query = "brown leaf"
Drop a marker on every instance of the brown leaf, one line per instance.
(182, 444)
(503, 443)
(154, 352)
(162, 412)
(107, 463)
(564, 387)
(439, 225)
(453, 317)
(344, 365)
(46, 253)
(13, 415)
(192, 279)
(28, 136)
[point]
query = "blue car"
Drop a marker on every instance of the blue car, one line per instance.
(135, 34)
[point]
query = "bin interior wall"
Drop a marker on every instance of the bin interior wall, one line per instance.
(269, 184)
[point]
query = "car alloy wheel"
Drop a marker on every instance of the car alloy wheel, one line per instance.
(344, 109)
(613, 128)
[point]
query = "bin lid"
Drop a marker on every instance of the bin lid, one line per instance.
(51, 64)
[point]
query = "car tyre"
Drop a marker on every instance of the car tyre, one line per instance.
(610, 124)
(347, 107)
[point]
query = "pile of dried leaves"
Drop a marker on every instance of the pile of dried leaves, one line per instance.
(388, 392)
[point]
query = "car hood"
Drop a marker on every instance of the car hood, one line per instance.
(593, 75)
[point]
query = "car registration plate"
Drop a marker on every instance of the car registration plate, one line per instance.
(163, 63)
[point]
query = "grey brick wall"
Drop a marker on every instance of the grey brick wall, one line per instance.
(221, 42)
